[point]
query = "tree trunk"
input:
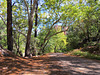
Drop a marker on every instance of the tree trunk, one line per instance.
(36, 17)
(30, 24)
(9, 25)
(88, 37)
(27, 49)
(55, 49)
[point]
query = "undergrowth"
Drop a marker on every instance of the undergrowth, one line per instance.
(84, 54)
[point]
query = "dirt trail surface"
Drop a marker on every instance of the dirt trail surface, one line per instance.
(49, 64)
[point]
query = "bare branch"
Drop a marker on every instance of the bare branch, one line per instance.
(13, 4)
(21, 33)
(3, 20)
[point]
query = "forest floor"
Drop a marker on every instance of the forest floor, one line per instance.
(49, 64)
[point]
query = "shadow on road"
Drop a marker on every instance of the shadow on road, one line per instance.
(51, 64)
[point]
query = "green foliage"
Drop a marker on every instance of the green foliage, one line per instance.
(82, 18)
(3, 34)
(35, 45)
(85, 26)
(56, 43)
(85, 54)
(3, 7)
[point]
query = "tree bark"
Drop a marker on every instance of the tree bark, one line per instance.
(30, 24)
(27, 49)
(36, 18)
(9, 25)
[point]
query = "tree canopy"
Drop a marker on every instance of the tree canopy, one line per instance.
(34, 25)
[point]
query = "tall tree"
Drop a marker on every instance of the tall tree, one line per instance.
(30, 24)
(36, 18)
(9, 25)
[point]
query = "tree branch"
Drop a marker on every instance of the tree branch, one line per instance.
(53, 35)
(3, 20)
(51, 28)
(19, 31)
(13, 4)
(57, 33)
(27, 8)
(45, 44)
(33, 9)
(82, 29)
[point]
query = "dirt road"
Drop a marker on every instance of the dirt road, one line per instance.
(50, 64)
(73, 65)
